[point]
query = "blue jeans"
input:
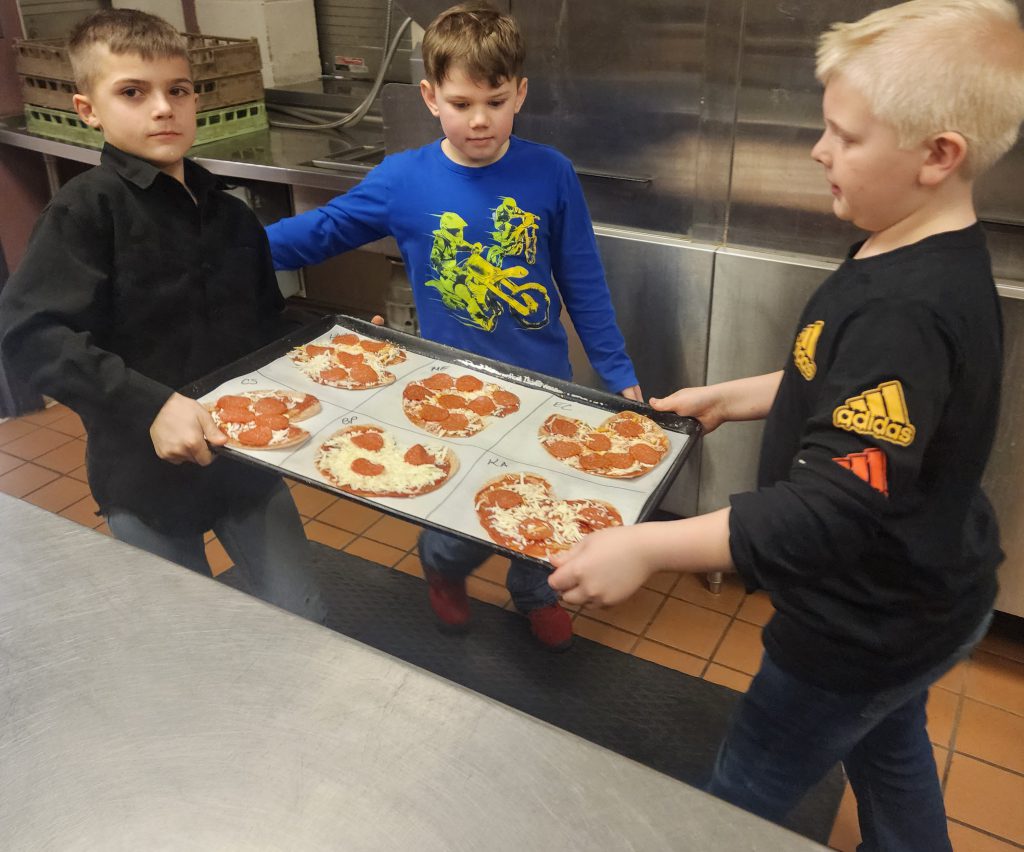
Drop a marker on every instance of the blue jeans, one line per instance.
(786, 734)
(457, 558)
(267, 544)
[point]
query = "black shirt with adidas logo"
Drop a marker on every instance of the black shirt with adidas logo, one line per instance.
(869, 529)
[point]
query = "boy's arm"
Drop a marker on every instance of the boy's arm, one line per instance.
(346, 222)
(713, 405)
(576, 266)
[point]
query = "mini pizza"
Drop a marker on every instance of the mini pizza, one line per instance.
(519, 512)
(455, 407)
(624, 446)
(366, 460)
(263, 419)
(348, 361)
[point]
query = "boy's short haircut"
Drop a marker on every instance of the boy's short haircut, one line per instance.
(930, 66)
(477, 38)
(121, 31)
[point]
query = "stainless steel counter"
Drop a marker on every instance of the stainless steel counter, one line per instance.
(143, 706)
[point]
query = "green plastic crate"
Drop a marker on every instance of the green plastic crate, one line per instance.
(211, 125)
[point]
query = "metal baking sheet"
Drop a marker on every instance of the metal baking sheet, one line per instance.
(506, 445)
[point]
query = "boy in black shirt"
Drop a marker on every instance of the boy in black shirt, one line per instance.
(143, 275)
(869, 530)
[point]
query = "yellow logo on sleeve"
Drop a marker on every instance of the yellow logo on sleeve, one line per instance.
(881, 412)
(803, 351)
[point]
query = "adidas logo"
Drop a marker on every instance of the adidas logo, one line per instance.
(803, 350)
(881, 412)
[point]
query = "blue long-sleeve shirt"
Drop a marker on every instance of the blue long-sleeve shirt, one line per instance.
(483, 248)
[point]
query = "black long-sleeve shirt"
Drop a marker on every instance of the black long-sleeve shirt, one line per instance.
(869, 528)
(131, 289)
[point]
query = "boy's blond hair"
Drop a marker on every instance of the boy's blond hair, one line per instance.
(477, 38)
(121, 31)
(930, 66)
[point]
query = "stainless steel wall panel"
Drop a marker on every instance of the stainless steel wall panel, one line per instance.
(756, 302)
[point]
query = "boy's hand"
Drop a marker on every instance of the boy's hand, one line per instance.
(704, 403)
(603, 569)
(182, 431)
(634, 393)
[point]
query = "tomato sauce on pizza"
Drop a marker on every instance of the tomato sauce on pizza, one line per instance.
(263, 419)
(623, 446)
(349, 361)
(455, 407)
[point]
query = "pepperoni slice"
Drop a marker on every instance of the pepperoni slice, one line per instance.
(450, 400)
(415, 392)
(628, 428)
(618, 460)
(371, 441)
(456, 421)
(312, 350)
(276, 422)
(334, 374)
(417, 454)
(270, 405)
(536, 529)
(468, 384)
(504, 499)
(433, 413)
(593, 461)
(345, 339)
(236, 415)
(598, 442)
(482, 405)
(350, 359)
(372, 345)
(563, 449)
(596, 517)
(560, 426)
(258, 436)
(364, 374)
(537, 550)
(226, 402)
(506, 399)
(644, 453)
(439, 381)
(365, 467)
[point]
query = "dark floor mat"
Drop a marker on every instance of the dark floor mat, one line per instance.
(657, 716)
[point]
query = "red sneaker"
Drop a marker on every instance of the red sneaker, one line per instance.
(552, 627)
(448, 599)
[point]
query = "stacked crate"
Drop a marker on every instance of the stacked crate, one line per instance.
(227, 78)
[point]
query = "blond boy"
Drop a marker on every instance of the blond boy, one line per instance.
(141, 277)
(869, 531)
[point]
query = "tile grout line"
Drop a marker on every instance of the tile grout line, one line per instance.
(987, 833)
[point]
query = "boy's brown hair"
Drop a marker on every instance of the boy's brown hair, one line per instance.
(121, 31)
(477, 38)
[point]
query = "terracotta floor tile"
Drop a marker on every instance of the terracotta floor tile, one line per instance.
(311, 501)
(955, 678)
(11, 430)
(69, 424)
(484, 590)
(79, 473)
(741, 648)
(47, 415)
(350, 516)
(688, 627)
(993, 680)
(845, 830)
(991, 734)
(58, 495)
(669, 657)
(103, 528)
(326, 534)
(694, 588)
(9, 463)
(25, 479)
(65, 458)
(632, 615)
(942, 709)
(218, 557)
(410, 565)
(756, 608)
(35, 444)
(986, 797)
(394, 531)
(494, 568)
(728, 677)
(970, 840)
(209, 536)
(382, 554)
(942, 757)
(662, 581)
(1005, 640)
(83, 512)
(597, 631)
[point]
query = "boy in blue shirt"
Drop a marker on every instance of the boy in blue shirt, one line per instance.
(869, 529)
(486, 223)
